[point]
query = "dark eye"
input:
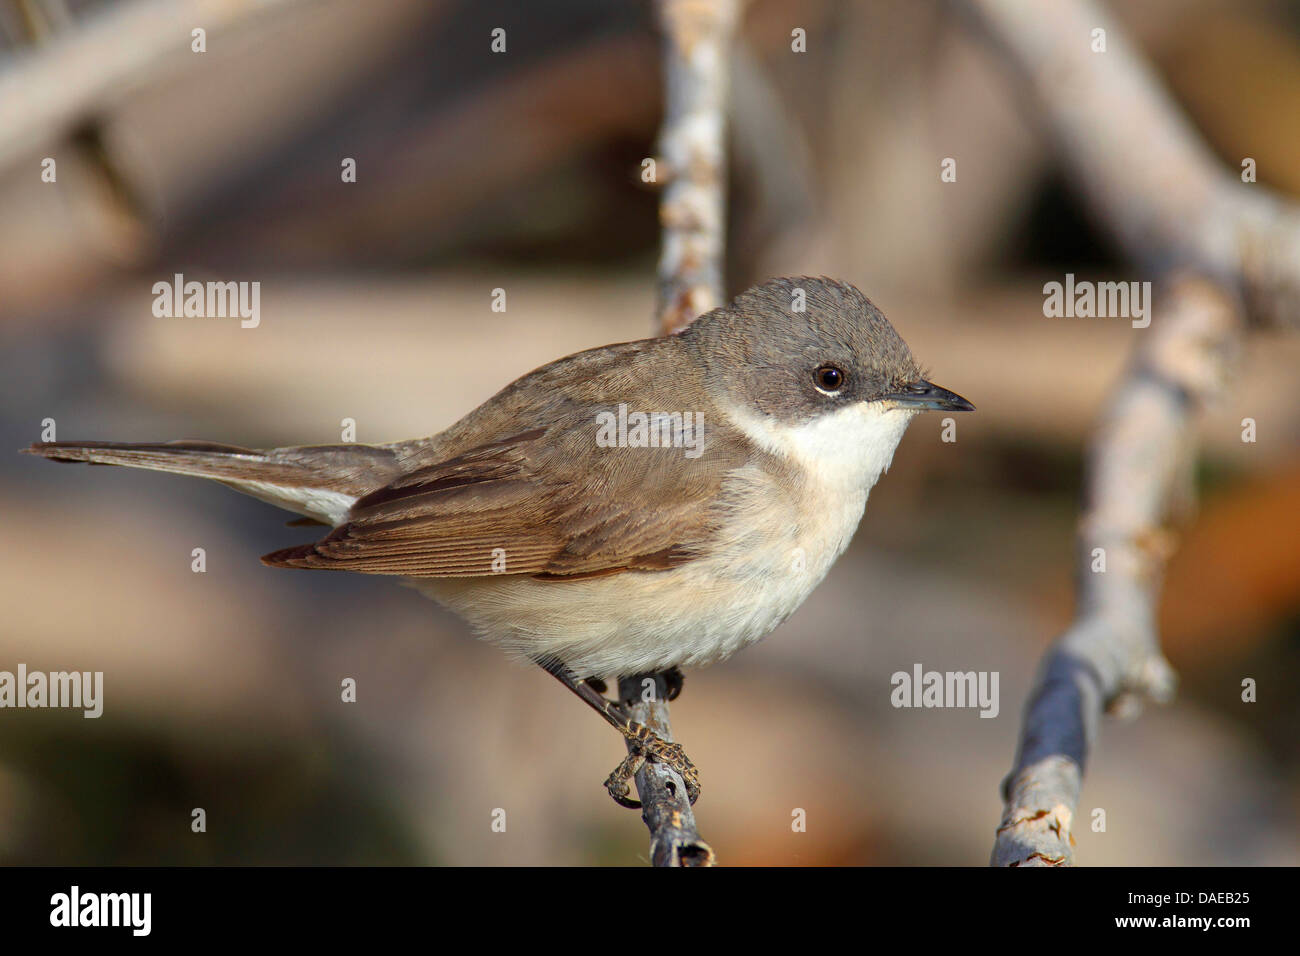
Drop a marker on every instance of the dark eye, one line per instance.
(829, 378)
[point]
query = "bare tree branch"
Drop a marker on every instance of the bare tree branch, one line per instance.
(48, 92)
(1225, 251)
(1147, 175)
(1139, 465)
(692, 163)
(692, 157)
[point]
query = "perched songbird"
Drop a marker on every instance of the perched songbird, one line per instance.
(632, 509)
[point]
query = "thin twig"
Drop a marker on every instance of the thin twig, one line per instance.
(665, 807)
(692, 157)
(692, 164)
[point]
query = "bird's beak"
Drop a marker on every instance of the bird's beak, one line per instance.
(928, 396)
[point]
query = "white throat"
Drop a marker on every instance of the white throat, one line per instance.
(845, 450)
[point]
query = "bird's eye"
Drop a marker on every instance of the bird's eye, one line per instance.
(829, 378)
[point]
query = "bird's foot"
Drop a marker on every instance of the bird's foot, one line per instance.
(647, 745)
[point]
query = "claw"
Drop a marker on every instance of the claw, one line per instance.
(617, 782)
(648, 746)
(673, 681)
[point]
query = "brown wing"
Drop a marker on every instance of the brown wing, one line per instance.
(527, 500)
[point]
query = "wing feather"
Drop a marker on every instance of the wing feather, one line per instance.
(516, 499)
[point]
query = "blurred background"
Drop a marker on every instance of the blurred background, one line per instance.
(521, 171)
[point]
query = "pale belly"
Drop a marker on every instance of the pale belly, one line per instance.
(644, 621)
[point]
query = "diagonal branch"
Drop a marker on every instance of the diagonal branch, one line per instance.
(1144, 171)
(47, 93)
(1138, 464)
(1227, 252)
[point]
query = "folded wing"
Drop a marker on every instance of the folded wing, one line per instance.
(543, 502)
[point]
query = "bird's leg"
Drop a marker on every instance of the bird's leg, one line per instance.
(645, 744)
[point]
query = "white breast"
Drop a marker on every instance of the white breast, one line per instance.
(774, 549)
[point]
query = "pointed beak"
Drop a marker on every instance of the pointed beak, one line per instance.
(927, 396)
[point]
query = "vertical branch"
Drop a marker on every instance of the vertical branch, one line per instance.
(692, 209)
(665, 807)
(692, 157)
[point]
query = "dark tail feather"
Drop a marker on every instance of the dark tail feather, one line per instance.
(279, 475)
(353, 469)
(202, 458)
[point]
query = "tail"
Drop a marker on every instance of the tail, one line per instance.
(316, 481)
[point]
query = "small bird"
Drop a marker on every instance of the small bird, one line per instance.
(628, 510)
